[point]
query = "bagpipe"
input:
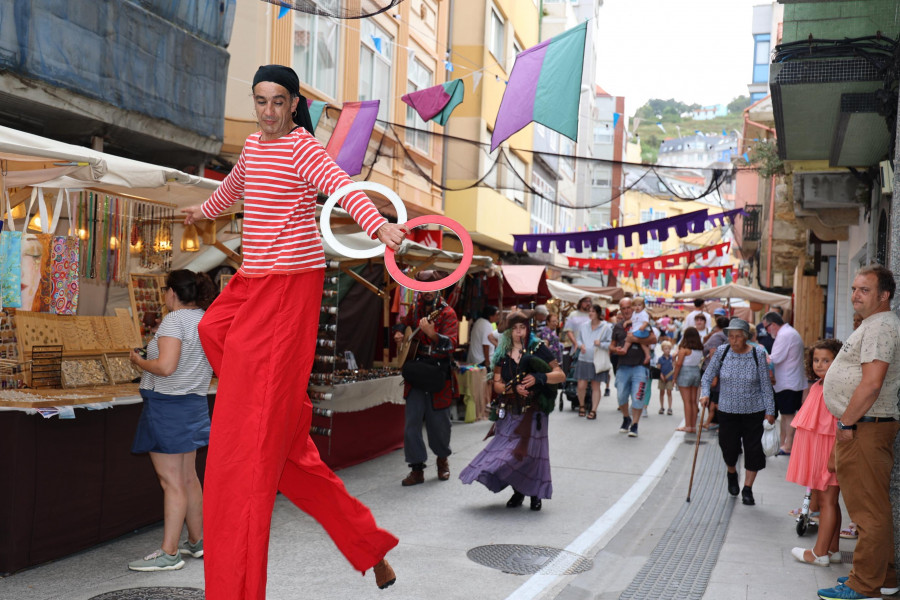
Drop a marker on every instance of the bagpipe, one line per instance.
(541, 394)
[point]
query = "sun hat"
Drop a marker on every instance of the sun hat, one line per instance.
(739, 325)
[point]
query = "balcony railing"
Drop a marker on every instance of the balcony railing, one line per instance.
(752, 225)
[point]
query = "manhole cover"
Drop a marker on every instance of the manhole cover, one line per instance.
(153, 593)
(527, 560)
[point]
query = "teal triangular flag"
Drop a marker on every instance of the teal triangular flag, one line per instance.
(456, 90)
(315, 111)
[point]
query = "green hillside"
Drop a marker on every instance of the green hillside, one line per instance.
(651, 135)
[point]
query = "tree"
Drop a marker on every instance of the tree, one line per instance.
(738, 104)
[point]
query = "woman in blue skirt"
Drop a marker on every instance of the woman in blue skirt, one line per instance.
(518, 455)
(175, 417)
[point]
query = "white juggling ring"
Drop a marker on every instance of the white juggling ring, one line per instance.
(325, 218)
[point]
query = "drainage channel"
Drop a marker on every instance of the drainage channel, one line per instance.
(681, 564)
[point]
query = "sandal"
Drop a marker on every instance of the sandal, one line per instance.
(669, 412)
(591, 415)
(581, 411)
(662, 411)
(849, 532)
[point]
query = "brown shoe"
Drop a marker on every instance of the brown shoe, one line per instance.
(443, 469)
(414, 478)
(384, 574)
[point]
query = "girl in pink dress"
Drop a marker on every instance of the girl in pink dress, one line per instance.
(811, 463)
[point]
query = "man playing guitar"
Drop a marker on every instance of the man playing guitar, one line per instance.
(437, 338)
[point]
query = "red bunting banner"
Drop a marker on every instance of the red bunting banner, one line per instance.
(668, 260)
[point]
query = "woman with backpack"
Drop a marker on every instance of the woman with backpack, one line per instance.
(746, 399)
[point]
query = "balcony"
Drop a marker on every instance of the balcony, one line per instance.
(752, 226)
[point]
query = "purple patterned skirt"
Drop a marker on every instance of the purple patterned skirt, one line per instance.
(507, 462)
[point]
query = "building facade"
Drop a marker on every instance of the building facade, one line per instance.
(112, 75)
(766, 31)
(837, 142)
(346, 60)
(485, 36)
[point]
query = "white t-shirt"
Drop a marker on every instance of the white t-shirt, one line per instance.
(478, 338)
(877, 338)
(193, 374)
(574, 321)
(787, 356)
(689, 321)
(639, 318)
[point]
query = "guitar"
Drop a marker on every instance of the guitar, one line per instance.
(410, 346)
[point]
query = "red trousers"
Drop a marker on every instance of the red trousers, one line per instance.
(260, 338)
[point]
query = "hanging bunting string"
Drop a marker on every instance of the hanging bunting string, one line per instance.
(684, 225)
(663, 261)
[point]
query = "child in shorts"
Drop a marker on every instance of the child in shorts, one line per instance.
(640, 327)
(666, 368)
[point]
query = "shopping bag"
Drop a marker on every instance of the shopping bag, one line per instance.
(35, 258)
(10, 259)
(770, 439)
(601, 360)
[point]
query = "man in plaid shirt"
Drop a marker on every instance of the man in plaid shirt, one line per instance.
(437, 339)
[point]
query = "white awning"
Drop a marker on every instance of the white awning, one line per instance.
(77, 167)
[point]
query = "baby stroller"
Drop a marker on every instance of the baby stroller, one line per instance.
(570, 389)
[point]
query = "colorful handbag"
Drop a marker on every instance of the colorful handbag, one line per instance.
(10, 259)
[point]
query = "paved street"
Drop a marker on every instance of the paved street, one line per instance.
(614, 501)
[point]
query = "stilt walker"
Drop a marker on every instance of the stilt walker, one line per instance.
(259, 336)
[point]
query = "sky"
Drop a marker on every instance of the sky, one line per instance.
(695, 51)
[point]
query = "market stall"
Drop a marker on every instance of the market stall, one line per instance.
(356, 387)
(85, 238)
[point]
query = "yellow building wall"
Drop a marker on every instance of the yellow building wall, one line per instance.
(259, 37)
(634, 203)
(490, 217)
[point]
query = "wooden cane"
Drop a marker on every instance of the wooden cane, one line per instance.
(696, 449)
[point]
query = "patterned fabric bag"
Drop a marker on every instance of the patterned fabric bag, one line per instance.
(10, 260)
(49, 271)
(64, 262)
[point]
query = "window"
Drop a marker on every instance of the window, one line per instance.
(375, 56)
(601, 177)
(517, 49)
(761, 58)
(567, 151)
(513, 180)
(566, 219)
(498, 35)
(316, 42)
(603, 133)
(420, 77)
(542, 207)
(652, 247)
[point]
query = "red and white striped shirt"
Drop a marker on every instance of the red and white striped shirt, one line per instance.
(278, 181)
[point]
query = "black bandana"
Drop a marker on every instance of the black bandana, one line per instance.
(287, 78)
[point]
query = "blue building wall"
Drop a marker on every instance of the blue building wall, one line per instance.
(163, 59)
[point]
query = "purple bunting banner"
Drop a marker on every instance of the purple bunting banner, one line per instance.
(686, 224)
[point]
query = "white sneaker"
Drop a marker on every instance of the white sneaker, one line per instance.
(158, 561)
(819, 561)
(195, 550)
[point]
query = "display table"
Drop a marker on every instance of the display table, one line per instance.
(71, 483)
(366, 421)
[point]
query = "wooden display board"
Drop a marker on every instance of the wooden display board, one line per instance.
(146, 294)
(76, 334)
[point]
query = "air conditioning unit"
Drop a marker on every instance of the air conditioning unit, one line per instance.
(887, 176)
